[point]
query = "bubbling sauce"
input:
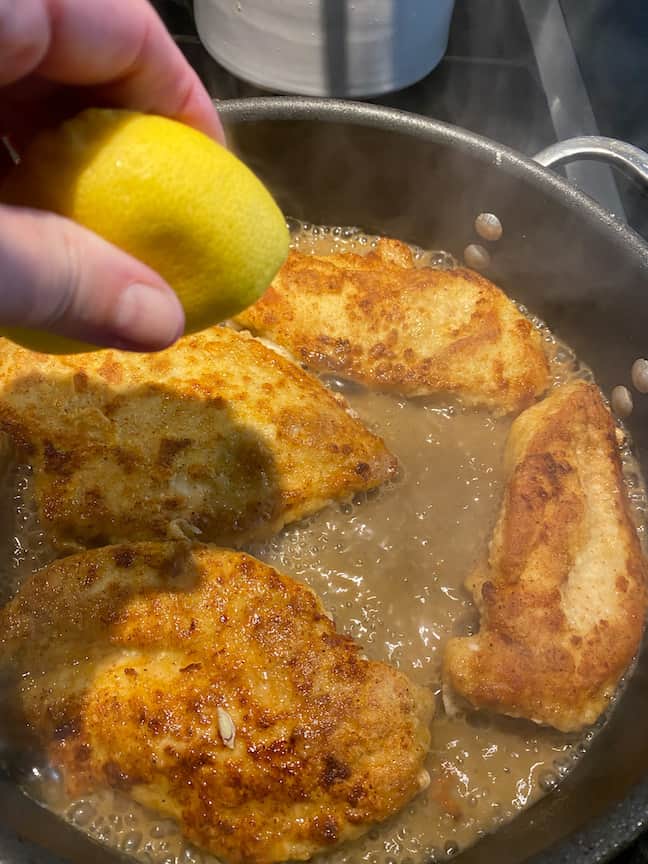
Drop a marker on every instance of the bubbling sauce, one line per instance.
(389, 566)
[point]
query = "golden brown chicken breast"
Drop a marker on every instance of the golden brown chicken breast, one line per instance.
(382, 321)
(215, 690)
(218, 438)
(563, 594)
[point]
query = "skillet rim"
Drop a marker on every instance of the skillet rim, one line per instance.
(498, 156)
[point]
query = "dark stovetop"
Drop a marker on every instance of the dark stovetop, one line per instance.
(526, 73)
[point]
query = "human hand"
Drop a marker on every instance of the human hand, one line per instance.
(58, 57)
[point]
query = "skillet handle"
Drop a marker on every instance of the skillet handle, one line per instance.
(631, 160)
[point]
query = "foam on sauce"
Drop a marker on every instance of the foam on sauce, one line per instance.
(390, 568)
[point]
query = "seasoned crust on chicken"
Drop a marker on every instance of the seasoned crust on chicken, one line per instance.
(563, 594)
(217, 438)
(380, 320)
(139, 658)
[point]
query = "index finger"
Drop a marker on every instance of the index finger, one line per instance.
(118, 47)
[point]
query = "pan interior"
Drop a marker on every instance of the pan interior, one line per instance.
(390, 568)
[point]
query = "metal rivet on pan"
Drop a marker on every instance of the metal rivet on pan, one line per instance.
(640, 375)
(488, 226)
(621, 400)
(476, 256)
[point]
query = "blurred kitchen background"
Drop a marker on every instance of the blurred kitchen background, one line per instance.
(526, 73)
(523, 72)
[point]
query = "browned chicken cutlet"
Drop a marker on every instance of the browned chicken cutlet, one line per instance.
(217, 438)
(563, 594)
(215, 690)
(379, 320)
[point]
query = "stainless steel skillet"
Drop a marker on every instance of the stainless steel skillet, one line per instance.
(571, 263)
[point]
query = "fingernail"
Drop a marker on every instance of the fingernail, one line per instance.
(148, 317)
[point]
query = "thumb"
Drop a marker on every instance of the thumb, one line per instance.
(56, 275)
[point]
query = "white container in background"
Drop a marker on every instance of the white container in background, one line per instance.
(345, 48)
